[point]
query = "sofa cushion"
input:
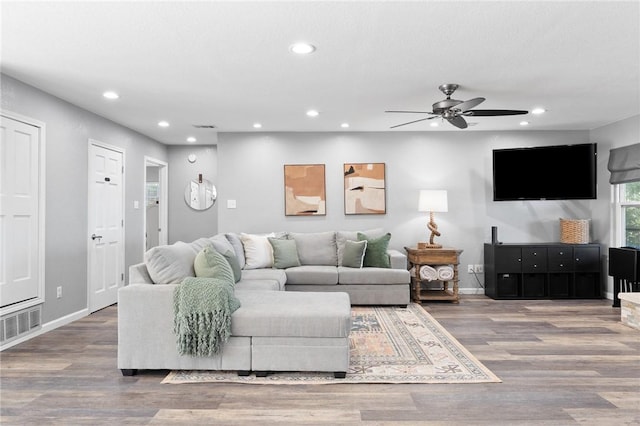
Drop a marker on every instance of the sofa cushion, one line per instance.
(292, 314)
(259, 285)
(170, 264)
(353, 256)
(199, 244)
(221, 244)
(372, 276)
(285, 253)
(211, 264)
(265, 274)
(313, 275)
(257, 251)
(343, 236)
(238, 248)
(376, 254)
(316, 248)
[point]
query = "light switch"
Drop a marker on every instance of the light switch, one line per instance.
(136, 204)
(231, 204)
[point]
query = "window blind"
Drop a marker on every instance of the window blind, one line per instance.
(624, 164)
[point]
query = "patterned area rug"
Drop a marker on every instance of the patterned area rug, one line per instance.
(387, 345)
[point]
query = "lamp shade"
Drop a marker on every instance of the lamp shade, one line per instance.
(433, 200)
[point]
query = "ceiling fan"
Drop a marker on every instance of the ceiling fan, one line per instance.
(454, 110)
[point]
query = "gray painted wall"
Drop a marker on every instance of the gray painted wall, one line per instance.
(186, 224)
(68, 130)
(251, 172)
(249, 168)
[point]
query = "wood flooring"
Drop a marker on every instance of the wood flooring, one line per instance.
(562, 362)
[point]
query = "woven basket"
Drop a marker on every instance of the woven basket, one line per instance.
(574, 231)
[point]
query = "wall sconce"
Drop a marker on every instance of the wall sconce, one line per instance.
(432, 201)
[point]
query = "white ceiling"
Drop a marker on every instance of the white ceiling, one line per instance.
(228, 64)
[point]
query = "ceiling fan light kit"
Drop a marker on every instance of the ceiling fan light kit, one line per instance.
(454, 111)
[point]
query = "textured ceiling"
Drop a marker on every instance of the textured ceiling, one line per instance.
(228, 64)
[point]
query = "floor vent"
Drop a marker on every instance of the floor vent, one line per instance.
(17, 324)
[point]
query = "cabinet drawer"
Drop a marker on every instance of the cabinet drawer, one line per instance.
(534, 259)
(560, 259)
(507, 285)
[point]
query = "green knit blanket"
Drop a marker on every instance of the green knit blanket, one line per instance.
(203, 308)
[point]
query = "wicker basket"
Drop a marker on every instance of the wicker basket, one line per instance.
(574, 231)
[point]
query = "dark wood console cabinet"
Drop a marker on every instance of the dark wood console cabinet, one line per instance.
(542, 271)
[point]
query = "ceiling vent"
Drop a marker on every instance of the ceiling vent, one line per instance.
(204, 126)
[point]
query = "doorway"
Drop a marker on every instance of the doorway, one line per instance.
(155, 203)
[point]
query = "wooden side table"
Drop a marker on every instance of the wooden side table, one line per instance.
(433, 257)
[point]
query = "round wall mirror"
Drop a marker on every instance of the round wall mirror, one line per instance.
(200, 194)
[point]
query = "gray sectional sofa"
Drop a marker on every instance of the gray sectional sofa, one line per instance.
(295, 312)
(321, 268)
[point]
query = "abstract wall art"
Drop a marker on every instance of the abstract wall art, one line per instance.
(364, 188)
(304, 190)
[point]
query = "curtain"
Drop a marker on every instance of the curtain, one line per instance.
(624, 164)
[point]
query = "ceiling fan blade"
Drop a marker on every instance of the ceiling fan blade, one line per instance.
(410, 122)
(458, 121)
(467, 105)
(494, 112)
(413, 112)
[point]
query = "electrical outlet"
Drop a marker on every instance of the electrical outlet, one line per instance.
(59, 292)
(479, 269)
(470, 268)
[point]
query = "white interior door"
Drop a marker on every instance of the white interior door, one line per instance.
(21, 275)
(106, 224)
(156, 206)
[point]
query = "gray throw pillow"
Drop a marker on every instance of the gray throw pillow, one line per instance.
(376, 254)
(233, 262)
(285, 253)
(353, 256)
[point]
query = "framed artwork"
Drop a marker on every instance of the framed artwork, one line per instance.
(364, 188)
(304, 190)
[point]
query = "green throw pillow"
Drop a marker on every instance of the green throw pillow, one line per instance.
(285, 253)
(230, 255)
(353, 255)
(211, 264)
(376, 254)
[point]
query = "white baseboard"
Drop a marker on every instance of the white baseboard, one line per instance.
(52, 325)
(471, 290)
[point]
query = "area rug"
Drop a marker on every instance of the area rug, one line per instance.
(387, 345)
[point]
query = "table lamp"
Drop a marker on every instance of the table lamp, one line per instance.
(432, 200)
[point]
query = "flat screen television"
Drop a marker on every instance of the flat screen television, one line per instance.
(561, 172)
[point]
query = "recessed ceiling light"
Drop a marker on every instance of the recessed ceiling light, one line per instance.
(163, 123)
(313, 113)
(191, 139)
(257, 126)
(538, 111)
(110, 95)
(524, 123)
(434, 124)
(302, 48)
(345, 125)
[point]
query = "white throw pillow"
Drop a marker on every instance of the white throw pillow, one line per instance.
(258, 252)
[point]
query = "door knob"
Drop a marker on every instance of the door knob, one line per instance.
(96, 237)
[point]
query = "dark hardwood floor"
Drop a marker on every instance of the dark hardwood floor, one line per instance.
(561, 362)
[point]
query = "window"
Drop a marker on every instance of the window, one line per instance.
(628, 213)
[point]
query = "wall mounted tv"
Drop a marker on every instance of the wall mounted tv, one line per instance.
(561, 172)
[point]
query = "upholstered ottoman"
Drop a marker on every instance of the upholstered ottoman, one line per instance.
(295, 331)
